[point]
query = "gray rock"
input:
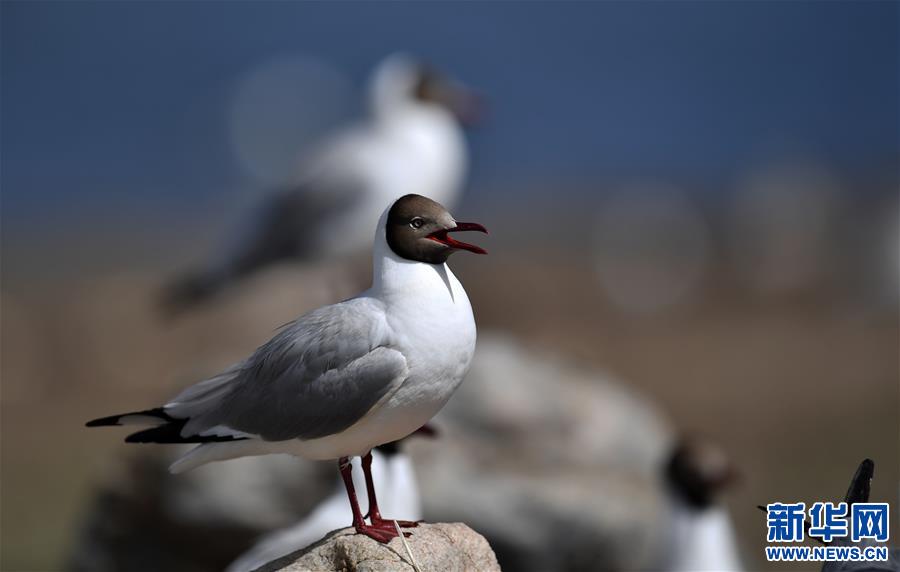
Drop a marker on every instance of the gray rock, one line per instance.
(143, 519)
(558, 466)
(445, 547)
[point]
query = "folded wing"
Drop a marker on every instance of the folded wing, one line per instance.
(318, 376)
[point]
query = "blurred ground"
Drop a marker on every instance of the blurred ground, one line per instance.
(797, 388)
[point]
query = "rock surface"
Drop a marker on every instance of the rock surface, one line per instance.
(444, 546)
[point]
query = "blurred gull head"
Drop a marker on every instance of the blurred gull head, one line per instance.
(697, 471)
(401, 82)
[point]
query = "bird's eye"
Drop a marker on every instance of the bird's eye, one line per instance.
(416, 222)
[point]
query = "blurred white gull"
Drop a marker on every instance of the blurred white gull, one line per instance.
(701, 535)
(411, 142)
(398, 494)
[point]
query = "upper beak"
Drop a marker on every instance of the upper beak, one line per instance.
(443, 237)
(469, 107)
(466, 104)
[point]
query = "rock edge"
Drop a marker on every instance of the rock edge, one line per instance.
(441, 546)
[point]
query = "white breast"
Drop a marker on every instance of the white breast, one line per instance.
(435, 330)
(429, 320)
(702, 540)
(431, 324)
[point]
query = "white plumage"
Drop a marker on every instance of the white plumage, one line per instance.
(701, 540)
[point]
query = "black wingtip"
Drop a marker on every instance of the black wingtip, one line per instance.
(868, 465)
(171, 433)
(145, 436)
(167, 432)
(860, 485)
(104, 421)
(114, 420)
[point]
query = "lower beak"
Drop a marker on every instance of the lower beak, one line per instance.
(444, 237)
(469, 108)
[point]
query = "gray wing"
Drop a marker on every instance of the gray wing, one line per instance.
(331, 183)
(282, 228)
(318, 376)
(285, 227)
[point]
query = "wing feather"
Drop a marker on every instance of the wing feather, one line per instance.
(316, 377)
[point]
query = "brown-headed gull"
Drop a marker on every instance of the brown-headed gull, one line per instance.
(344, 378)
(701, 535)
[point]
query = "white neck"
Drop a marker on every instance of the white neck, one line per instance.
(702, 539)
(398, 280)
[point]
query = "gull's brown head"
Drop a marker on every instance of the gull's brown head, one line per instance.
(698, 470)
(418, 229)
(432, 86)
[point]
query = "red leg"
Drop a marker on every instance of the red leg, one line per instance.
(381, 534)
(374, 513)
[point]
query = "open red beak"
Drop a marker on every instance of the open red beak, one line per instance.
(470, 108)
(443, 237)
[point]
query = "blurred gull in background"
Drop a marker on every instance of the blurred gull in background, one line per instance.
(784, 227)
(411, 142)
(556, 465)
(701, 535)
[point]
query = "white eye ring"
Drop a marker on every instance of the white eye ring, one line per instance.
(416, 222)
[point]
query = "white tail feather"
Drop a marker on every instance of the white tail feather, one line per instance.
(220, 451)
